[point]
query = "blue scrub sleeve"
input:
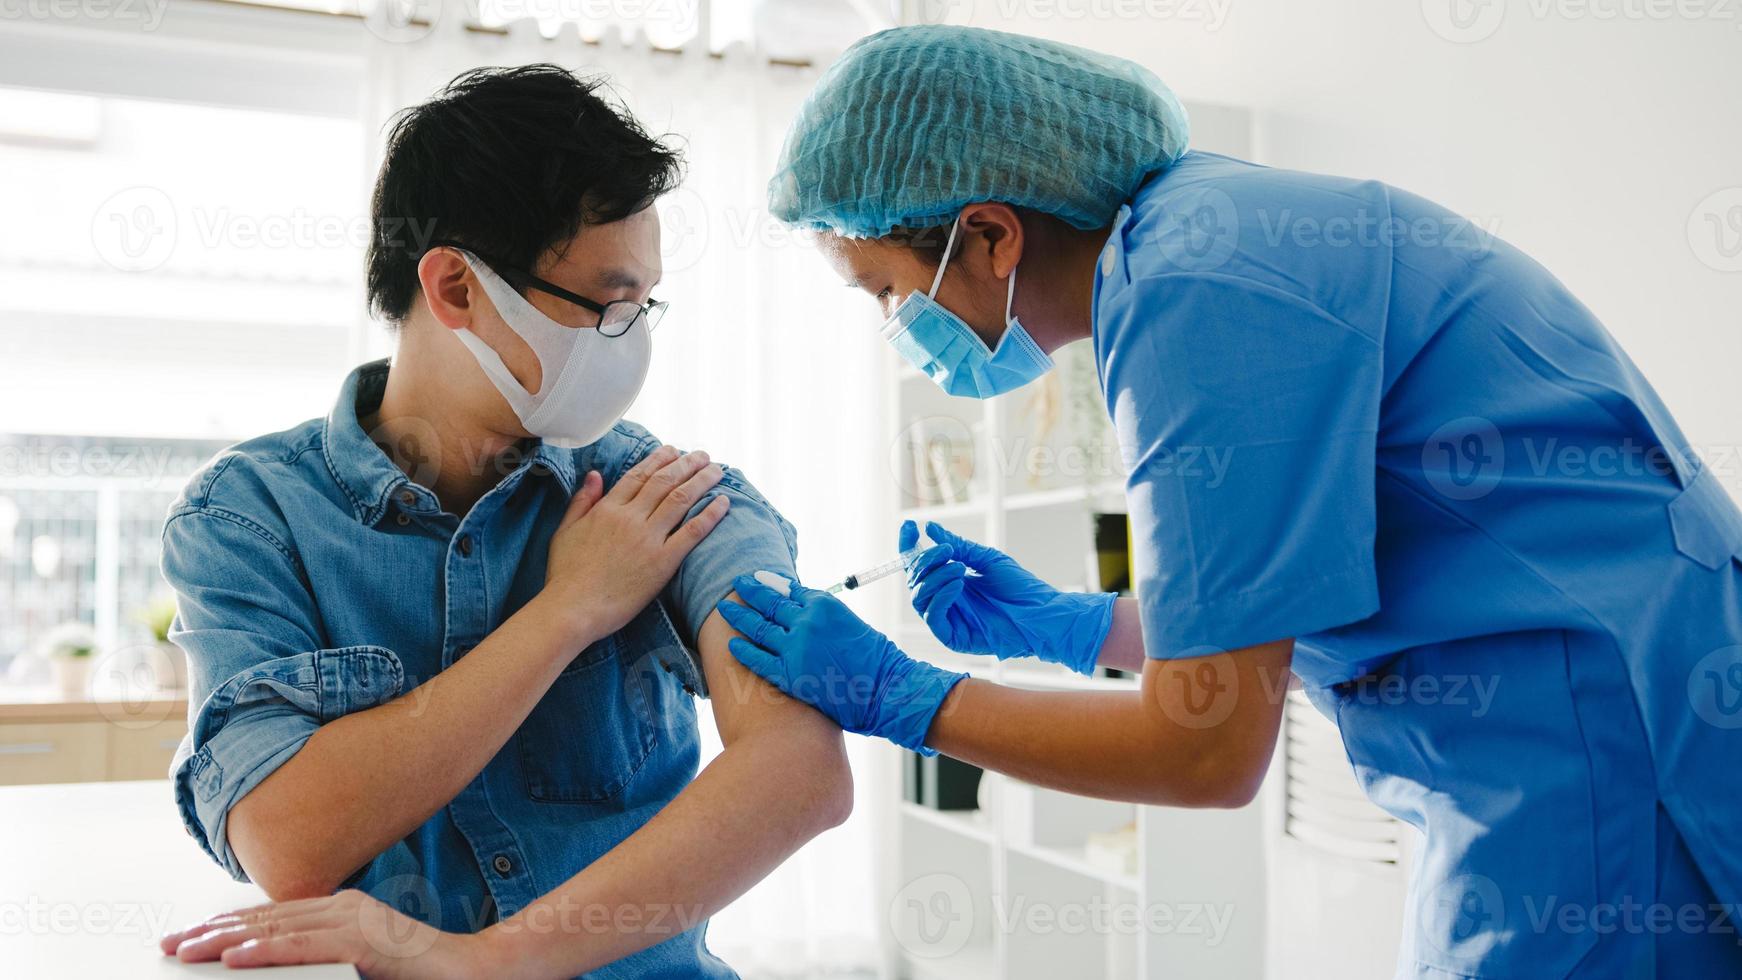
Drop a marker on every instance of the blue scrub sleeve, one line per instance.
(1249, 419)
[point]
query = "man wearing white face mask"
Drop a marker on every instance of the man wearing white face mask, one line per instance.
(446, 640)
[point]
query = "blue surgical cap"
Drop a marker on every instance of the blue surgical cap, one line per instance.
(914, 123)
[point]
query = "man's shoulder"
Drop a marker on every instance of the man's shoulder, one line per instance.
(613, 453)
(629, 442)
(242, 477)
(627, 439)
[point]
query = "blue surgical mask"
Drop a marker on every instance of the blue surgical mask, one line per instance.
(947, 350)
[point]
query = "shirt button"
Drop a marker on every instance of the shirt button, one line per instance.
(503, 866)
(403, 519)
(465, 544)
(1108, 259)
(407, 498)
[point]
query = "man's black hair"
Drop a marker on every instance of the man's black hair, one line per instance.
(512, 162)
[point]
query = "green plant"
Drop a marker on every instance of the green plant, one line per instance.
(73, 640)
(157, 615)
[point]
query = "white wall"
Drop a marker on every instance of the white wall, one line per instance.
(1590, 133)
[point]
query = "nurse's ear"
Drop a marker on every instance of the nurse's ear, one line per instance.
(993, 240)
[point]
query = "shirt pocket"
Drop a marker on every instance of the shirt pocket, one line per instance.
(594, 732)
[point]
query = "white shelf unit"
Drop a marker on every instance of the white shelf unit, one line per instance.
(1009, 891)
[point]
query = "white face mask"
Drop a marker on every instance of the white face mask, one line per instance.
(589, 379)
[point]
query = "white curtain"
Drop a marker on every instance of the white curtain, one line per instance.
(765, 361)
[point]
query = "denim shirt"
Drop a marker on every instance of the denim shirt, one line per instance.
(315, 579)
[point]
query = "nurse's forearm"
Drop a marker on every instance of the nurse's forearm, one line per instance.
(1199, 733)
(1123, 648)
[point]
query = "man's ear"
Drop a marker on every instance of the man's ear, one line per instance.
(999, 227)
(449, 288)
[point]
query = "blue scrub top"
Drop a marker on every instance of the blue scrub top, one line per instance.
(1359, 420)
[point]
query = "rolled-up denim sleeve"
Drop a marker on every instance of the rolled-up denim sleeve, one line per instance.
(753, 536)
(260, 680)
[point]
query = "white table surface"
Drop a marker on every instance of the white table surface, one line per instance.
(92, 873)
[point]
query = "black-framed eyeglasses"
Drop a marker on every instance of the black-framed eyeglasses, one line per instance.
(615, 317)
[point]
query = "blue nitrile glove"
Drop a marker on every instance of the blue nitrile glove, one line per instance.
(977, 599)
(813, 648)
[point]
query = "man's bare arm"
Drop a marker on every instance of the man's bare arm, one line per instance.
(781, 780)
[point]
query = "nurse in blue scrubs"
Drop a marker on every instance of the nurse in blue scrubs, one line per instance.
(1368, 443)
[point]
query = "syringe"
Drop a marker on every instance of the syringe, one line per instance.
(875, 572)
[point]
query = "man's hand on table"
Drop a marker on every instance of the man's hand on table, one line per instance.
(349, 927)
